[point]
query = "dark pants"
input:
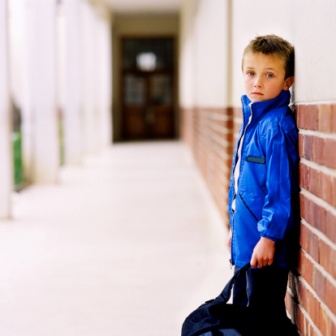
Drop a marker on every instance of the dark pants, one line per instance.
(263, 289)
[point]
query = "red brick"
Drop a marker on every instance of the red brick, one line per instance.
(299, 115)
(303, 294)
(300, 145)
(309, 303)
(324, 323)
(304, 203)
(333, 191)
(300, 322)
(304, 176)
(329, 146)
(331, 226)
(313, 308)
(319, 150)
(326, 188)
(325, 118)
(319, 285)
(304, 237)
(306, 269)
(318, 216)
(308, 147)
(333, 264)
(327, 257)
(333, 329)
(318, 183)
(333, 120)
(330, 296)
(314, 183)
(308, 117)
(314, 246)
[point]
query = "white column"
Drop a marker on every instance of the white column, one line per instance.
(46, 138)
(6, 170)
(104, 84)
(88, 76)
(23, 24)
(70, 84)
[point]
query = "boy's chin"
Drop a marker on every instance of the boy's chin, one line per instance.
(257, 99)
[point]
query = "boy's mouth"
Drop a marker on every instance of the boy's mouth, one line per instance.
(257, 93)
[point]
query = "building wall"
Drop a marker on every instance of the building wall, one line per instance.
(211, 121)
(206, 116)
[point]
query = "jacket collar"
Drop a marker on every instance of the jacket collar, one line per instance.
(259, 108)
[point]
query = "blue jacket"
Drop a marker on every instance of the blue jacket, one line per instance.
(268, 183)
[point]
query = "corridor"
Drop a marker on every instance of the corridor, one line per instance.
(126, 244)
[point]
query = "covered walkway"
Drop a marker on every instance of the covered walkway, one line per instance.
(126, 244)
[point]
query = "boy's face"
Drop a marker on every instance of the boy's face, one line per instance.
(264, 76)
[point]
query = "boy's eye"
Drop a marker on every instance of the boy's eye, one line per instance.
(250, 73)
(269, 75)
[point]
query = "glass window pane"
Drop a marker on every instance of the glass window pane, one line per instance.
(160, 90)
(134, 90)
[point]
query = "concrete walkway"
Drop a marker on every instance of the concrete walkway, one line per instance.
(127, 244)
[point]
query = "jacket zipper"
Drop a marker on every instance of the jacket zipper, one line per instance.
(248, 208)
(242, 138)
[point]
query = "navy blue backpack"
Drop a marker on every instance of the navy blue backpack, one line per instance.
(218, 318)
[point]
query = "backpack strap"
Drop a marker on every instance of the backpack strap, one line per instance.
(226, 293)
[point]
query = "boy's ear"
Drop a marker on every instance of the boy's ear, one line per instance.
(288, 83)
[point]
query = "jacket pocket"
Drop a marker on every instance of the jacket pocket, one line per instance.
(256, 159)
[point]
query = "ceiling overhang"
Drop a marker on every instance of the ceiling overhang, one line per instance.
(138, 7)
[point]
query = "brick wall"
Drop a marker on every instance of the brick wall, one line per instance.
(208, 132)
(311, 298)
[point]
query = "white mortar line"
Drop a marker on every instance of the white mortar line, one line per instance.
(319, 167)
(319, 102)
(317, 331)
(318, 233)
(325, 205)
(321, 269)
(318, 134)
(328, 311)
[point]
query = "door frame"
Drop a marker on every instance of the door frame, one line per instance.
(172, 72)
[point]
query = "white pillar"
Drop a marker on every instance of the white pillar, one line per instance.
(6, 170)
(46, 137)
(88, 76)
(70, 85)
(23, 24)
(104, 94)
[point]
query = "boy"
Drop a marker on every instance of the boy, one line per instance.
(263, 183)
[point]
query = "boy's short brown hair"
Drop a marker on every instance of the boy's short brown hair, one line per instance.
(272, 44)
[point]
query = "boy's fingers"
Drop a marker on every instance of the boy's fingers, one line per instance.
(253, 261)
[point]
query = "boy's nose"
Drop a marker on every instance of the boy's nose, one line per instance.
(257, 82)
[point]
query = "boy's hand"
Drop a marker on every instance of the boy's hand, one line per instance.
(263, 253)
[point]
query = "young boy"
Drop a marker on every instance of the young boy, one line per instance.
(263, 183)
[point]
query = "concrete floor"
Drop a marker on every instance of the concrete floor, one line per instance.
(127, 244)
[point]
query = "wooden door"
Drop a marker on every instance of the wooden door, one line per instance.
(147, 89)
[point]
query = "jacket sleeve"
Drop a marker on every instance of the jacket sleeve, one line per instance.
(281, 182)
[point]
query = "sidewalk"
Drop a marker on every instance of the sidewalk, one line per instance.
(127, 244)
